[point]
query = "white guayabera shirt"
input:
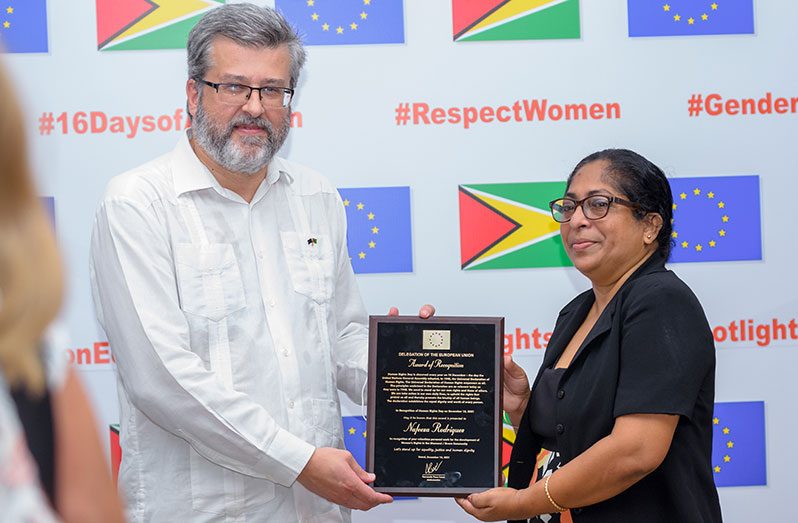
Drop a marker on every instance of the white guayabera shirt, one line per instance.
(233, 325)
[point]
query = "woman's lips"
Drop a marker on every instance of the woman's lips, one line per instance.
(581, 245)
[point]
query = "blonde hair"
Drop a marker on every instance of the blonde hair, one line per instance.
(31, 281)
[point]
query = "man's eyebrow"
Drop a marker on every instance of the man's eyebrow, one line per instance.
(236, 78)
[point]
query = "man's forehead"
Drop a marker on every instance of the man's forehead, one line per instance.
(222, 47)
(240, 62)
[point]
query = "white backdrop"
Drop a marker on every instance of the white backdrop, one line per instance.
(347, 98)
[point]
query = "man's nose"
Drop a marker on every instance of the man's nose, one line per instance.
(253, 107)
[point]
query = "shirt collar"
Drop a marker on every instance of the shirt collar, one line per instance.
(190, 174)
(275, 172)
(278, 169)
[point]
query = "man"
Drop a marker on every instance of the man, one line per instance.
(221, 276)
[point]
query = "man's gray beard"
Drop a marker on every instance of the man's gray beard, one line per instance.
(220, 146)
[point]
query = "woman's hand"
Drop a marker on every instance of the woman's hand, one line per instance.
(516, 390)
(494, 505)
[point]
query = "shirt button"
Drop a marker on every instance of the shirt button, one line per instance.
(285, 351)
(272, 303)
(291, 404)
(560, 394)
(260, 254)
(559, 428)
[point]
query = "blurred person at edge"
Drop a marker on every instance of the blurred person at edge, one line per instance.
(51, 462)
(621, 407)
(222, 278)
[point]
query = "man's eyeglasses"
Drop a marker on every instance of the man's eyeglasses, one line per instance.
(238, 94)
(593, 207)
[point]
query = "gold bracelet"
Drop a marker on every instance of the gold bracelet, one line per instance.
(553, 503)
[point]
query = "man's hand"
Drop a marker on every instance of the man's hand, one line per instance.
(426, 311)
(335, 475)
(494, 505)
(516, 390)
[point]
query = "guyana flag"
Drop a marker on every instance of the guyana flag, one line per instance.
(509, 226)
(508, 439)
(480, 20)
(124, 25)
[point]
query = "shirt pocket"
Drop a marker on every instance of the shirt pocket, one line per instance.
(327, 428)
(209, 280)
(310, 264)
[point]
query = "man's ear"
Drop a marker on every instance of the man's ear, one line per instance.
(192, 96)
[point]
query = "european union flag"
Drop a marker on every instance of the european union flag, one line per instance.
(355, 438)
(322, 22)
(378, 236)
(716, 219)
(738, 444)
(49, 206)
(690, 17)
(23, 26)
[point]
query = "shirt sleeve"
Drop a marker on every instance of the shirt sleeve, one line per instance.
(350, 351)
(666, 350)
(135, 295)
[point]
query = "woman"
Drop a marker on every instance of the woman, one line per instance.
(623, 400)
(42, 413)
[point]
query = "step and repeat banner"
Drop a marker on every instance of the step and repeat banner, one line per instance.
(448, 125)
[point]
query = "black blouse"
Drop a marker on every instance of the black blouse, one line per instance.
(36, 417)
(651, 351)
(542, 412)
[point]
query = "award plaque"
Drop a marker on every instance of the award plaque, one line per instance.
(434, 404)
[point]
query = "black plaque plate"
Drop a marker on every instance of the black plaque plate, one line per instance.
(434, 404)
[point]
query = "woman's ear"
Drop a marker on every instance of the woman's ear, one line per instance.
(653, 224)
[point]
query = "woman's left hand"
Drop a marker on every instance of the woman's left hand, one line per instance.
(495, 504)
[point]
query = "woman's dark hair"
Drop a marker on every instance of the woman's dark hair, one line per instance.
(641, 182)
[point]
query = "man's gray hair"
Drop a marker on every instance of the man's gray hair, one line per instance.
(247, 25)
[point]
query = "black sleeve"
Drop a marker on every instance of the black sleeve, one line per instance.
(523, 460)
(666, 348)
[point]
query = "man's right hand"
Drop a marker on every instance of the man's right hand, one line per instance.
(335, 475)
